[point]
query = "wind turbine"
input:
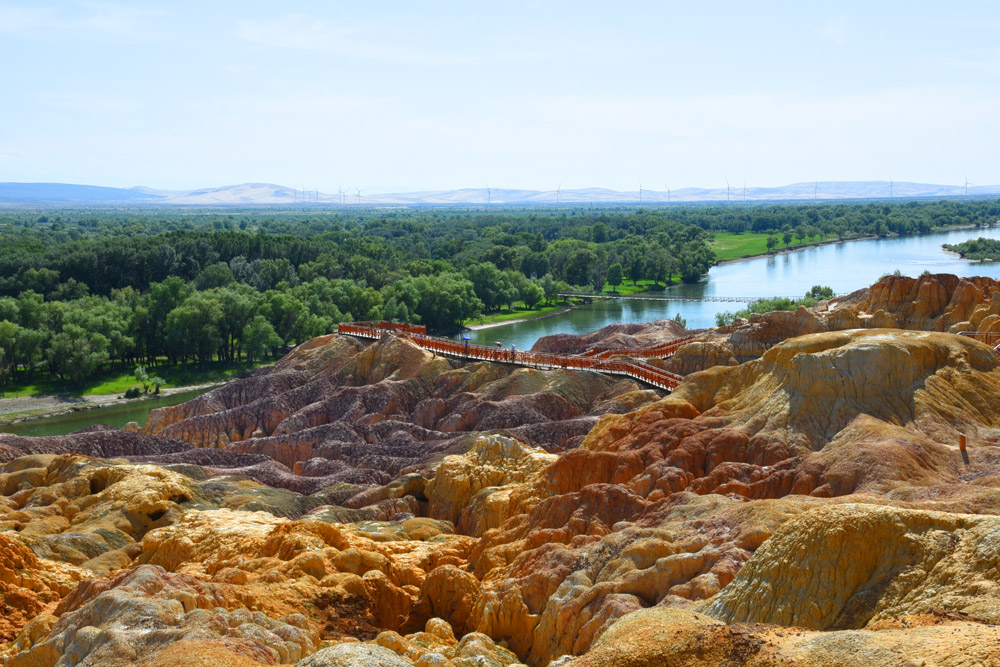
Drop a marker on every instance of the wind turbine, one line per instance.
(967, 184)
(489, 194)
(727, 190)
(340, 194)
(668, 194)
(890, 187)
(559, 193)
(744, 191)
(359, 195)
(640, 191)
(815, 190)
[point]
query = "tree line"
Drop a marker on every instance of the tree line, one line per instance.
(85, 291)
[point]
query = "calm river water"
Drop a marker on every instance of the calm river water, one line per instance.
(843, 266)
(113, 415)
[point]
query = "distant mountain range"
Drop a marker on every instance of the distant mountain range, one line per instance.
(268, 194)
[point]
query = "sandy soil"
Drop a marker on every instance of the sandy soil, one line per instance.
(478, 327)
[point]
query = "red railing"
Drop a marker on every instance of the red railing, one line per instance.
(991, 338)
(658, 351)
(643, 372)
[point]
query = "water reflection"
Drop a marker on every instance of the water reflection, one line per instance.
(844, 266)
(113, 415)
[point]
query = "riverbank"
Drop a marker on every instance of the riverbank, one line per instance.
(27, 408)
(790, 249)
(816, 244)
(519, 320)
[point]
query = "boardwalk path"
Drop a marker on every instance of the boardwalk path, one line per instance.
(598, 362)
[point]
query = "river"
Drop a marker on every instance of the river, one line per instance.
(114, 415)
(845, 267)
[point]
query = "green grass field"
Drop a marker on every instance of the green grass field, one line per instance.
(519, 312)
(117, 382)
(627, 287)
(736, 246)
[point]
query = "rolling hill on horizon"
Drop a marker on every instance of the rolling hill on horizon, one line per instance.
(269, 194)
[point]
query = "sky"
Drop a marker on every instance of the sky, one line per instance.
(404, 96)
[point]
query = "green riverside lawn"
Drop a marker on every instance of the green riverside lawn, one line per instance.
(738, 246)
(117, 382)
(519, 312)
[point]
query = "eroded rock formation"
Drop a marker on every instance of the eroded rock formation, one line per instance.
(932, 302)
(372, 504)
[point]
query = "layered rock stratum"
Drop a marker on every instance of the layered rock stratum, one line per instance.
(802, 500)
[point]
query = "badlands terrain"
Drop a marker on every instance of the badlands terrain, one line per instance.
(800, 499)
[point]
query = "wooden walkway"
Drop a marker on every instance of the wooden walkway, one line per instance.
(598, 362)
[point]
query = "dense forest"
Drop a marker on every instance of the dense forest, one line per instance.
(85, 290)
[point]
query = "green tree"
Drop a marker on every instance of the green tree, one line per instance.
(514, 284)
(30, 307)
(658, 265)
(488, 283)
(440, 302)
(98, 314)
(8, 343)
(550, 288)
(820, 292)
(193, 328)
(28, 349)
(142, 377)
(75, 354)
(258, 336)
(216, 275)
(579, 268)
(163, 298)
(534, 264)
(282, 310)
(598, 276)
(531, 294)
(635, 269)
(9, 309)
(615, 276)
(239, 304)
(600, 234)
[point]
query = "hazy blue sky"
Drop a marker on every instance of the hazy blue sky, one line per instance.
(419, 95)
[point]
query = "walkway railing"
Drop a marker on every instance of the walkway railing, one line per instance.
(658, 351)
(637, 370)
(991, 338)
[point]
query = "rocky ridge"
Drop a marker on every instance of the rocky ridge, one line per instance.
(931, 302)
